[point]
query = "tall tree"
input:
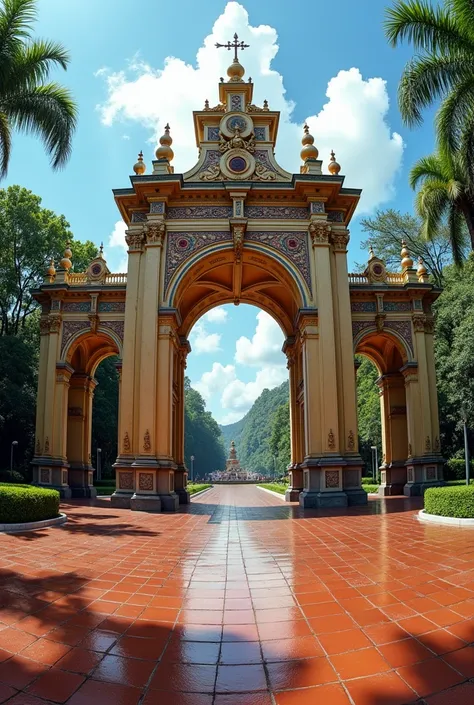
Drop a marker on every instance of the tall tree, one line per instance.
(280, 438)
(442, 36)
(105, 414)
(30, 235)
(445, 195)
(202, 435)
(388, 228)
(28, 102)
(368, 410)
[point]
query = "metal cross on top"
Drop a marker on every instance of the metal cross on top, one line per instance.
(234, 45)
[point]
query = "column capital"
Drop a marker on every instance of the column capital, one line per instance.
(135, 238)
(154, 232)
(319, 231)
(340, 240)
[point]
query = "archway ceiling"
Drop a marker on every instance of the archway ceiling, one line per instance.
(384, 351)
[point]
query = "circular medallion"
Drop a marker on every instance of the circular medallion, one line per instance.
(237, 164)
(96, 269)
(377, 269)
(232, 121)
(183, 243)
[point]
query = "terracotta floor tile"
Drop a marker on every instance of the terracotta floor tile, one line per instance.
(462, 661)
(158, 697)
(126, 671)
(241, 699)
(79, 660)
(6, 692)
(240, 652)
(68, 635)
(384, 689)
(332, 694)
(96, 692)
(301, 674)
(19, 671)
(430, 676)
(417, 625)
(197, 652)
(327, 625)
(234, 679)
(341, 642)
(322, 609)
(463, 630)
(444, 617)
(136, 647)
(240, 617)
(14, 640)
(56, 685)
(460, 695)
(184, 677)
(355, 664)
(284, 630)
(201, 632)
(46, 651)
(405, 653)
(240, 632)
(441, 641)
(98, 640)
(291, 649)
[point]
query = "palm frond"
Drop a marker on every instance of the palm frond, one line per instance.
(432, 202)
(5, 144)
(463, 11)
(33, 64)
(465, 151)
(454, 189)
(48, 111)
(426, 169)
(428, 28)
(16, 17)
(426, 78)
(456, 226)
(451, 116)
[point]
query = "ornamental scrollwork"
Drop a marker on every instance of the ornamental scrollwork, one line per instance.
(146, 441)
(331, 439)
(54, 324)
(126, 443)
(135, 240)
(319, 233)
(351, 441)
(212, 173)
(238, 236)
(44, 326)
(237, 142)
(262, 173)
(155, 233)
(340, 241)
(429, 326)
(419, 323)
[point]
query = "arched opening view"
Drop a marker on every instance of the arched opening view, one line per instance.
(238, 371)
(105, 409)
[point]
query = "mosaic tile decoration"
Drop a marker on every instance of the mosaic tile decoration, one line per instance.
(211, 159)
(260, 134)
(213, 134)
(336, 216)
(363, 306)
(316, 207)
(116, 326)
(138, 217)
(280, 212)
(293, 245)
(403, 328)
(261, 156)
(181, 245)
(396, 306)
(70, 329)
(157, 207)
(358, 326)
(182, 212)
(111, 307)
(236, 102)
(76, 306)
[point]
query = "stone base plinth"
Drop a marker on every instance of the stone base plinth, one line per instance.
(169, 502)
(393, 479)
(292, 494)
(356, 497)
(180, 483)
(121, 500)
(84, 492)
(52, 474)
(312, 500)
(145, 503)
(183, 496)
(422, 473)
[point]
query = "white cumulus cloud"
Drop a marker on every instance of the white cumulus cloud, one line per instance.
(352, 119)
(204, 342)
(216, 315)
(216, 380)
(265, 346)
(118, 245)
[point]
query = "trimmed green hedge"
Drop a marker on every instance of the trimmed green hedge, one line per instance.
(279, 487)
(452, 501)
(27, 503)
(370, 488)
(193, 487)
(455, 469)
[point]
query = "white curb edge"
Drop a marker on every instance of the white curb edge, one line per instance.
(447, 521)
(196, 494)
(32, 525)
(275, 494)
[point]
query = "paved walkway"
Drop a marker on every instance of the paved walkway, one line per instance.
(239, 599)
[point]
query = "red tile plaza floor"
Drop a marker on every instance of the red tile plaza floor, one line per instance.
(240, 599)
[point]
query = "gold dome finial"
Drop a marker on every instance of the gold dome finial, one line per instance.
(51, 271)
(165, 151)
(333, 167)
(101, 250)
(371, 253)
(422, 272)
(66, 263)
(407, 262)
(309, 151)
(140, 167)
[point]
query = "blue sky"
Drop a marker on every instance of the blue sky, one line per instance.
(128, 88)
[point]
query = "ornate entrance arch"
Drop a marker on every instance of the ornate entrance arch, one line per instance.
(238, 228)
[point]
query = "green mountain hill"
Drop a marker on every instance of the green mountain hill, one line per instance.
(262, 437)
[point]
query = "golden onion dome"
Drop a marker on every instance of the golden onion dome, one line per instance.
(309, 151)
(140, 167)
(421, 271)
(235, 71)
(66, 263)
(51, 271)
(407, 262)
(333, 167)
(165, 151)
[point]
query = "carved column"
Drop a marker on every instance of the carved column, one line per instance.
(394, 433)
(181, 473)
(347, 393)
(79, 431)
(295, 470)
(128, 441)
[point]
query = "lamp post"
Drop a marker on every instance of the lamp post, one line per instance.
(374, 466)
(192, 467)
(99, 464)
(14, 444)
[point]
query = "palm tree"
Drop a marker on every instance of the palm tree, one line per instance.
(443, 38)
(445, 195)
(27, 101)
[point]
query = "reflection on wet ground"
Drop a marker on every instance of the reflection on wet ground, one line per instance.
(239, 599)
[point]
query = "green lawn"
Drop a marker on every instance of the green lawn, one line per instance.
(193, 488)
(370, 488)
(279, 487)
